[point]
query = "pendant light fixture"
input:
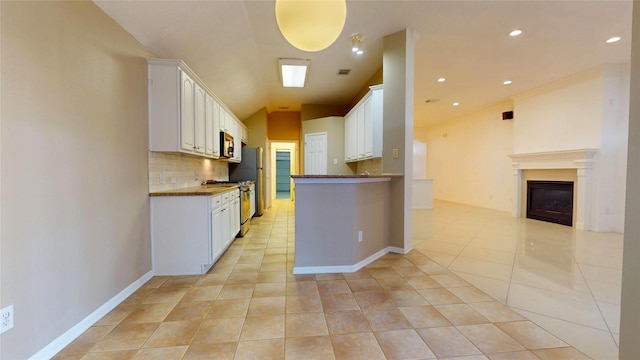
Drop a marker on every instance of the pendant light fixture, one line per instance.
(311, 25)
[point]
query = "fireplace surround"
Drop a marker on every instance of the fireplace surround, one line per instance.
(581, 160)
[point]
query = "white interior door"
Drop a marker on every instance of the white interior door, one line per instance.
(315, 153)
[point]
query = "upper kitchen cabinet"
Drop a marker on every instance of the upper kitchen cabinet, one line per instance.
(363, 127)
(184, 115)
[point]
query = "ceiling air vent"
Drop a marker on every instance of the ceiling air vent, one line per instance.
(283, 107)
(344, 71)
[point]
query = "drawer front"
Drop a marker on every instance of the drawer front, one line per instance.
(216, 201)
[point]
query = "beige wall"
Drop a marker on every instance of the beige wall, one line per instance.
(257, 127)
(398, 66)
(334, 127)
(284, 125)
(75, 210)
(376, 79)
(314, 111)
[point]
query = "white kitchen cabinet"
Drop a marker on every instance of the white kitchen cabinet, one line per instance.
(212, 129)
(190, 233)
(235, 214)
(199, 120)
(363, 127)
(218, 240)
(350, 138)
(187, 112)
(181, 234)
(245, 134)
(226, 220)
(184, 115)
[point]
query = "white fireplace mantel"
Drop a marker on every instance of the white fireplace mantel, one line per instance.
(580, 159)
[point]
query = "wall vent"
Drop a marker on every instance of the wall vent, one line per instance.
(344, 71)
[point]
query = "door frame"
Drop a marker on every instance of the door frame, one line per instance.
(293, 147)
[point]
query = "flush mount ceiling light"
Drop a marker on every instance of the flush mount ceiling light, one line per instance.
(507, 82)
(456, 103)
(293, 72)
(515, 32)
(613, 39)
(356, 44)
(311, 25)
(441, 79)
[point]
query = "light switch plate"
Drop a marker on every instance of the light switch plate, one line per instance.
(396, 153)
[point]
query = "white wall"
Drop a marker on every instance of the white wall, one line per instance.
(419, 159)
(75, 205)
(468, 159)
(565, 115)
(587, 110)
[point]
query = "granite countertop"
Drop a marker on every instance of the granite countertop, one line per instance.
(352, 176)
(206, 190)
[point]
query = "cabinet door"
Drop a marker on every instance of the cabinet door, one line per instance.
(351, 138)
(209, 127)
(360, 131)
(226, 222)
(218, 234)
(215, 128)
(368, 128)
(199, 127)
(187, 115)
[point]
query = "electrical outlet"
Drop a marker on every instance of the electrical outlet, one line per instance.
(360, 236)
(335, 161)
(396, 153)
(6, 319)
(195, 176)
(161, 178)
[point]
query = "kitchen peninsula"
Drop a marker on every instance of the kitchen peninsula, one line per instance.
(342, 221)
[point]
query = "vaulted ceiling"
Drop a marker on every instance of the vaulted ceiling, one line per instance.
(234, 47)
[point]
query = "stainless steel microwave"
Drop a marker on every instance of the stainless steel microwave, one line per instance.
(226, 145)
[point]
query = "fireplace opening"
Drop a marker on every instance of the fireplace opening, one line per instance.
(550, 201)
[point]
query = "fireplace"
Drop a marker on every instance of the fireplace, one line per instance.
(582, 160)
(550, 201)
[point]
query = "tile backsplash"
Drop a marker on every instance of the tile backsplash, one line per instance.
(372, 166)
(173, 171)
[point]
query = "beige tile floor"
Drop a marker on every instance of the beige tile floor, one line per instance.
(250, 306)
(566, 280)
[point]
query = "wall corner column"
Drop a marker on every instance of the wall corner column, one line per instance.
(398, 65)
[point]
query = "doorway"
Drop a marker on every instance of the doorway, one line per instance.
(279, 149)
(283, 173)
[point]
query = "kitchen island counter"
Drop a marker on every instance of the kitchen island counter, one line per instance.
(342, 221)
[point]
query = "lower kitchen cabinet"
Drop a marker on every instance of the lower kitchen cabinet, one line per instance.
(190, 233)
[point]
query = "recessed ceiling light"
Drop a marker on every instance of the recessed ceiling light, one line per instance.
(613, 39)
(456, 103)
(441, 79)
(507, 82)
(515, 33)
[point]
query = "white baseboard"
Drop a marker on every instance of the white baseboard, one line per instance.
(343, 268)
(65, 339)
(398, 250)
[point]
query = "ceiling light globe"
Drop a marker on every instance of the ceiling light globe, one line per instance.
(515, 33)
(311, 25)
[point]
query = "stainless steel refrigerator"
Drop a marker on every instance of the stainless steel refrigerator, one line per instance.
(251, 169)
